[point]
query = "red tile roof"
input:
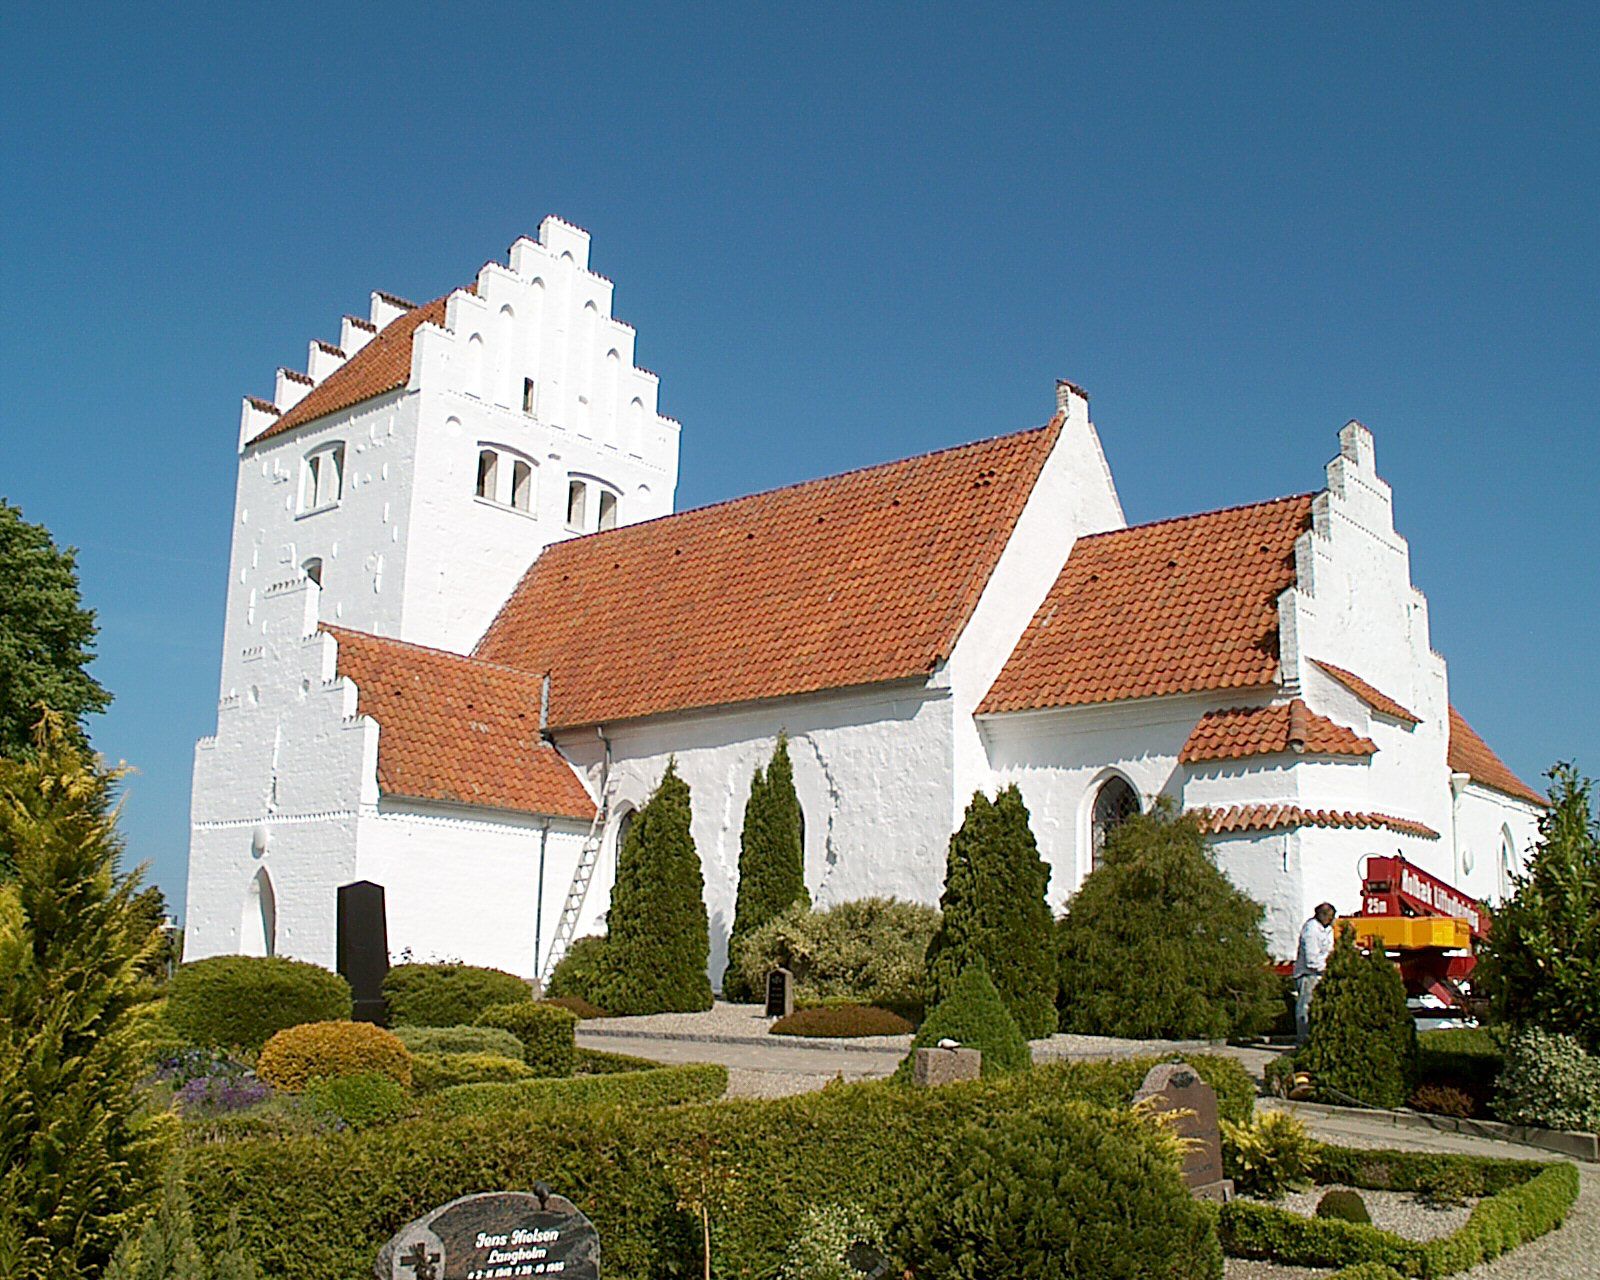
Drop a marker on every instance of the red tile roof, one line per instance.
(1374, 698)
(1277, 817)
(456, 729)
(849, 580)
(1172, 607)
(1471, 755)
(1262, 731)
(383, 364)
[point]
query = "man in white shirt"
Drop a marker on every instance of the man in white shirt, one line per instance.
(1310, 959)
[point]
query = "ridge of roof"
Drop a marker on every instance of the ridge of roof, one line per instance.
(1242, 732)
(1372, 696)
(1468, 753)
(1200, 515)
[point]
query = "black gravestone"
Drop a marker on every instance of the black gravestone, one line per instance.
(780, 993)
(496, 1234)
(363, 947)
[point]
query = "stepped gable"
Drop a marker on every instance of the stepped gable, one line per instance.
(1177, 606)
(1261, 731)
(457, 730)
(1471, 755)
(384, 364)
(1374, 698)
(849, 580)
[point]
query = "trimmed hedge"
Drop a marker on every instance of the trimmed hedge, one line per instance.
(320, 1209)
(1523, 1200)
(582, 972)
(658, 1087)
(319, 1050)
(448, 995)
(600, 1062)
(1464, 1058)
(460, 1040)
(576, 1005)
(359, 1101)
(546, 1033)
(433, 1072)
(245, 1000)
(841, 1021)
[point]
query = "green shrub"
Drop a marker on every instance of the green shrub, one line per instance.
(321, 1050)
(447, 995)
(1343, 1204)
(658, 940)
(246, 1000)
(1056, 1191)
(440, 1040)
(975, 1017)
(1549, 1081)
(870, 950)
(1362, 1044)
(165, 1247)
(823, 1240)
(581, 974)
(577, 1006)
(598, 1062)
(994, 909)
(545, 1031)
(1367, 1271)
(657, 1087)
(1443, 1100)
(1158, 943)
(1543, 965)
(433, 1072)
(772, 871)
(1467, 1059)
(1270, 1154)
(358, 1101)
(843, 1021)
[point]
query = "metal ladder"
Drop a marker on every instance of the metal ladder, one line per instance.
(582, 878)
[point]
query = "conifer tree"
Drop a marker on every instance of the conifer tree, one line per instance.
(994, 909)
(973, 1014)
(77, 1159)
(1362, 1043)
(658, 937)
(771, 858)
(1544, 945)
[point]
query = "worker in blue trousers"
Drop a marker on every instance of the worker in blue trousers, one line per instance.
(1310, 959)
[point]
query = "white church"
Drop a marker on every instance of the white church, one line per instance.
(466, 631)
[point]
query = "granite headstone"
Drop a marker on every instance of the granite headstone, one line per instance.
(933, 1067)
(362, 947)
(780, 993)
(492, 1235)
(1176, 1087)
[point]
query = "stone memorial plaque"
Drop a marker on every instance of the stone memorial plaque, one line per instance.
(497, 1234)
(780, 993)
(1176, 1087)
(933, 1067)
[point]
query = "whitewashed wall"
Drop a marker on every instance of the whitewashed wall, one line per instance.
(1488, 824)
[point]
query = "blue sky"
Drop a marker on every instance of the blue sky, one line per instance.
(845, 234)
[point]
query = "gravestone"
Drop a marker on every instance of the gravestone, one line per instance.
(933, 1067)
(866, 1260)
(1176, 1087)
(780, 993)
(499, 1233)
(362, 947)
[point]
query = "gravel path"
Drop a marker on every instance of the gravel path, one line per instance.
(1396, 1211)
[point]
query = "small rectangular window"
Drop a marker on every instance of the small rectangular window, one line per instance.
(521, 486)
(530, 395)
(608, 510)
(488, 473)
(576, 494)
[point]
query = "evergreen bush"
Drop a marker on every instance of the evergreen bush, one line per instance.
(358, 1101)
(546, 1033)
(319, 1050)
(1549, 1081)
(772, 870)
(658, 942)
(1343, 1204)
(165, 1248)
(1269, 1154)
(822, 1243)
(80, 1154)
(1158, 943)
(577, 1006)
(1544, 948)
(581, 973)
(994, 909)
(243, 1001)
(974, 1016)
(1061, 1191)
(842, 1021)
(447, 1040)
(447, 995)
(435, 1072)
(1362, 1043)
(870, 950)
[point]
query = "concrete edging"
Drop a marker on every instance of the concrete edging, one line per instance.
(1584, 1147)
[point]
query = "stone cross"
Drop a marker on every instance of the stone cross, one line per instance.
(1176, 1087)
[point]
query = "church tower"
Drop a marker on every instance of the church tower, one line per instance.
(416, 468)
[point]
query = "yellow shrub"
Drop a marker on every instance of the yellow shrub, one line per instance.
(323, 1050)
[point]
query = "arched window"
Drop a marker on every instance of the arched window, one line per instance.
(488, 473)
(322, 478)
(608, 509)
(624, 825)
(504, 477)
(521, 485)
(258, 923)
(312, 569)
(1114, 804)
(1508, 864)
(577, 500)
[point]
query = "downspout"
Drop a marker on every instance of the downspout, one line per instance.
(538, 906)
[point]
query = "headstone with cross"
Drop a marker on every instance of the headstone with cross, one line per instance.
(493, 1236)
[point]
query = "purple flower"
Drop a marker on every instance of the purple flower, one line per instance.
(220, 1094)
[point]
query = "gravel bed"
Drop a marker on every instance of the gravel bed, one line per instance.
(1401, 1212)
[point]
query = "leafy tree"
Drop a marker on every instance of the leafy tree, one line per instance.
(659, 940)
(1362, 1042)
(1159, 944)
(77, 1157)
(994, 908)
(1544, 945)
(772, 869)
(973, 1014)
(46, 635)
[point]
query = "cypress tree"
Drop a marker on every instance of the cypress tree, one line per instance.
(658, 937)
(771, 858)
(1544, 947)
(1362, 1042)
(973, 1014)
(78, 1156)
(994, 909)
